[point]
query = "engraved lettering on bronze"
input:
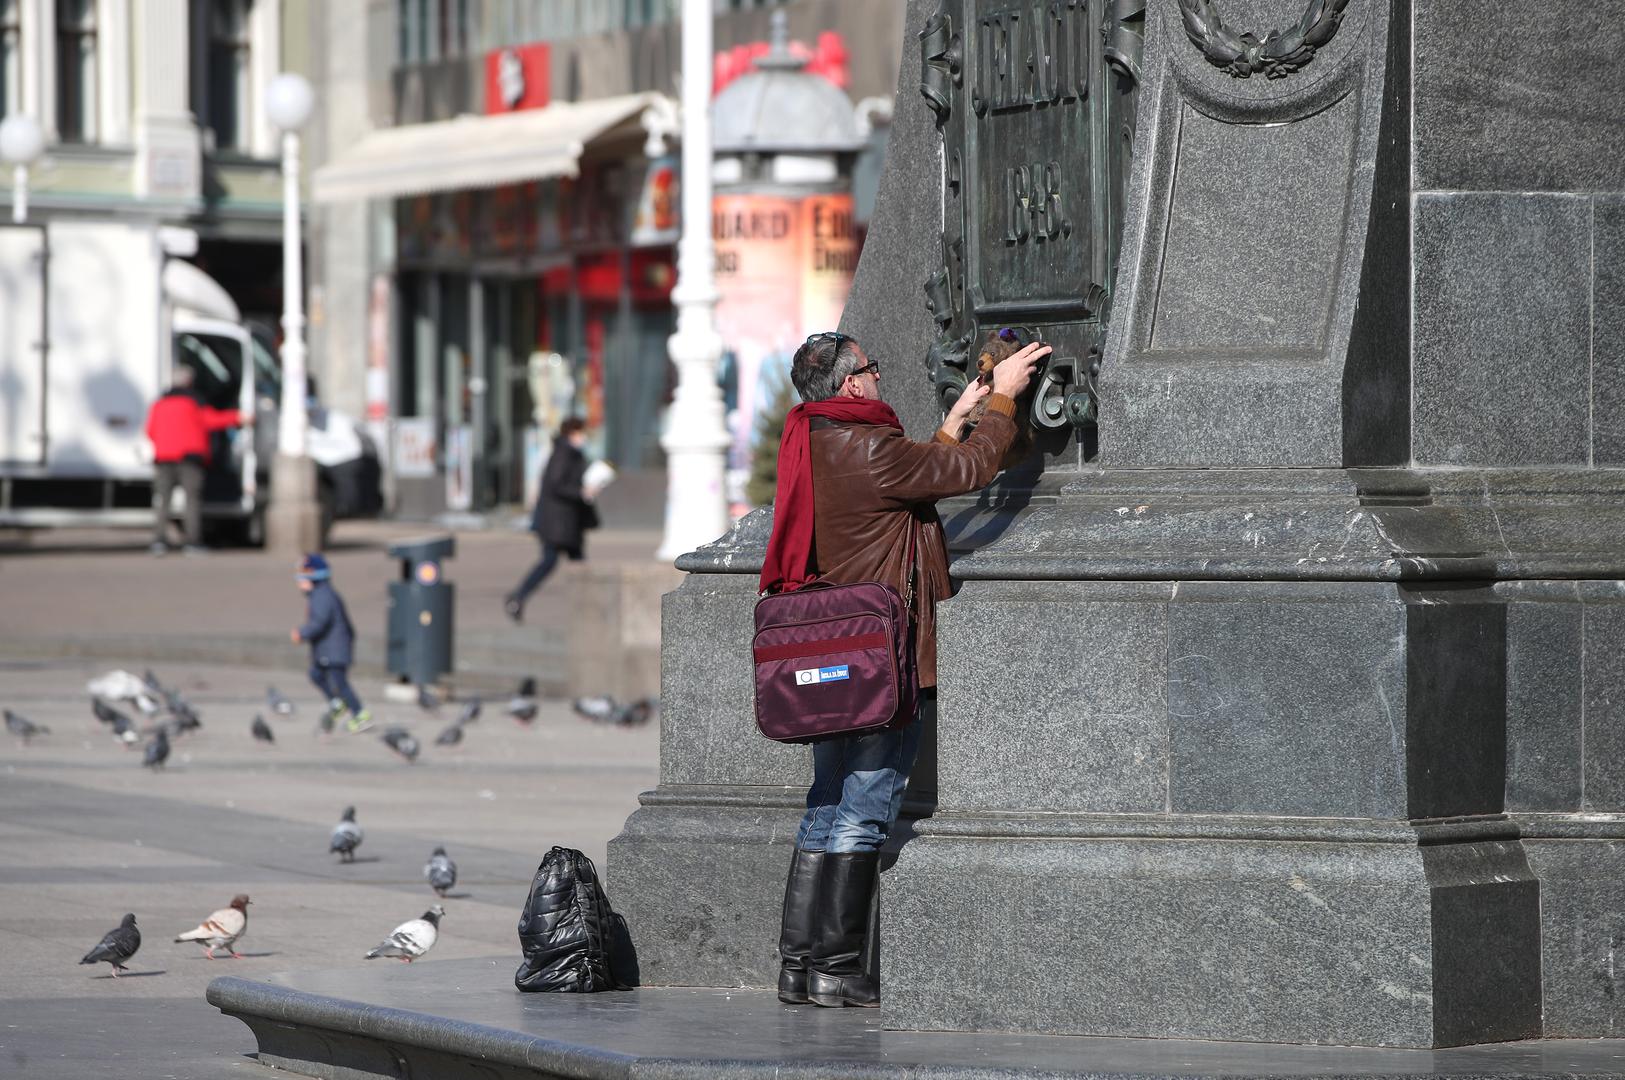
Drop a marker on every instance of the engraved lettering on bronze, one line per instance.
(1030, 55)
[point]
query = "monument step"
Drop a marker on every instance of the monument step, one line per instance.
(463, 1017)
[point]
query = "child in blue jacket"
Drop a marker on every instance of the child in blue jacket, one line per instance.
(331, 638)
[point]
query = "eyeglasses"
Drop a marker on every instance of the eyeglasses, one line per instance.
(871, 368)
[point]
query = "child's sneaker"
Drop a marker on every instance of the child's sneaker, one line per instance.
(359, 723)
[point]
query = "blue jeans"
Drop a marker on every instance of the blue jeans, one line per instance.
(334, 683)
(544, 566)
(857, 787)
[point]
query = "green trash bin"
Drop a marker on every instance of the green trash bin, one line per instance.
(421, 604)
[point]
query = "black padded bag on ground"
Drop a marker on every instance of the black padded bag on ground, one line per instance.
(573, 941)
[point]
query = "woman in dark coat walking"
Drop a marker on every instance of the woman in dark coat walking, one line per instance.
(563, 514)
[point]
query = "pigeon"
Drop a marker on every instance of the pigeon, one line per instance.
(153, 684)
(116, 946)
(523, 706)
(157, 750)
(106, 713)
(598, 709)
(324, 722)
(427, 701)
(124, 730)
(412, 938)
(186, 721)
(471, 712)
(636, 714)
(441, 871)
(222, 929)
(122, 686)
(279, 704)
(451, 736)
(24, 728)
(402, 742)
(346, 836)
(262, 730)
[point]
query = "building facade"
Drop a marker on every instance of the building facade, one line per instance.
(467, 294)
(151, 110)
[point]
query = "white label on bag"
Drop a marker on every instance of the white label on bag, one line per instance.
(812, 675)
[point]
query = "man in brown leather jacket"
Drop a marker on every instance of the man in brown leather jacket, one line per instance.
(874, 506)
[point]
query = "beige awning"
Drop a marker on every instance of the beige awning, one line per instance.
(477, 151)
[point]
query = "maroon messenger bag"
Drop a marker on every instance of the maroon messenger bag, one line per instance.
(833, 660)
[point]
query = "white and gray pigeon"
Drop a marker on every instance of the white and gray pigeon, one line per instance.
(451, 736)
(441, 871)
(346, 836)
(403, 742)
(471, 712)
(412, 938)
(157, 751)
(222, 929)
(278, 702)
(523, 706)
(261, 730)
(116, 946)
(24, 728)
(600, 708)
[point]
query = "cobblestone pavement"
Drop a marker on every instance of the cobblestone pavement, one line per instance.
(87, 834)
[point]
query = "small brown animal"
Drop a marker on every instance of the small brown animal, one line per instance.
(995, 351)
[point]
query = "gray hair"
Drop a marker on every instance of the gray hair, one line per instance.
(822, 364)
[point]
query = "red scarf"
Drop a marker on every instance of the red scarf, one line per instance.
(790, 549)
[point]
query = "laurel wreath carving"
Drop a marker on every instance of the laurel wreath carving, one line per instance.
(1278, 54)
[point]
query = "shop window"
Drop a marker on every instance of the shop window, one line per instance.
(429, 30)
(228, 107)
(11, 55)
(76, 70)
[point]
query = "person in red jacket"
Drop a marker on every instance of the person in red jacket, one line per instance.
(179, 426)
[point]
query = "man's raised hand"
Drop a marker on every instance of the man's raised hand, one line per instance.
(1013, 374)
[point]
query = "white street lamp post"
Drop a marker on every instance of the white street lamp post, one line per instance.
(294, 523)
(696, 438)
(21, 143)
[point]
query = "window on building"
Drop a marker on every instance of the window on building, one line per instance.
(11, 56)
(230, 79)
(76, 70)
(433, 30)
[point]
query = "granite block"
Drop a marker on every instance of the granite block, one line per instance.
(1287, 700)
(1486, 943)
(1519, 96)
(701, 888)
(1212, 296)
(708, 729)
(1313, 943)
(1582, 915)
(1603, 680)
(1501, 343)
(1052, 697)
(1608, 331)
(1544, 705)
(885, 310)
(1455, 702)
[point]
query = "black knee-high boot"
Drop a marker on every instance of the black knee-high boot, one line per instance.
(796, 926)
(839, 972)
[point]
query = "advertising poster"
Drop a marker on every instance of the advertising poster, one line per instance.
(414, 447)
(784, 267)
(758, 271)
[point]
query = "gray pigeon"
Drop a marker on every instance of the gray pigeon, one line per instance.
(261, 730)
(106, 713)
(451, 736)
(597, 709)
(279, 704)
(412, 938)
(116, 946)
(157, 750)
(346, 836)
(427, 701)
(24, 728)
(185, 721)
(523, 706)
(471, 712)
(441, 871)
(324, 722)
(636, 714)
(403, 742)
